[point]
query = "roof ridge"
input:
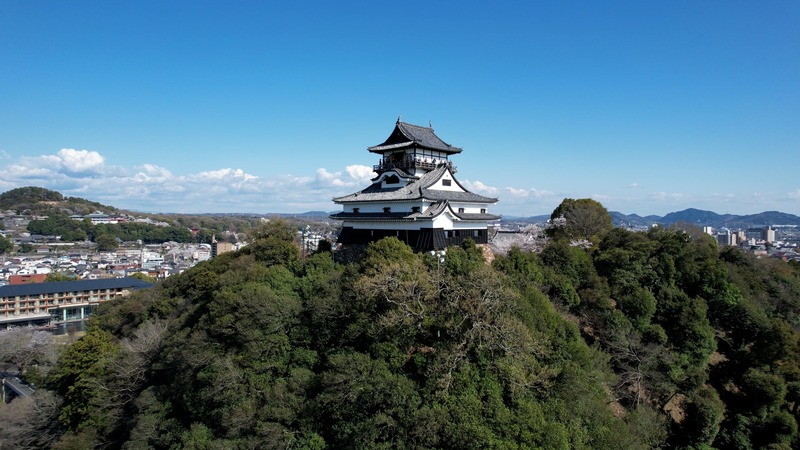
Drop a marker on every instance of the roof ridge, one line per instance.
(434, 175)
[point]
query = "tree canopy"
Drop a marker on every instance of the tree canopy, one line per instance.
(646, 340)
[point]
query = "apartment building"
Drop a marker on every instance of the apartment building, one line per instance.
(39, 304)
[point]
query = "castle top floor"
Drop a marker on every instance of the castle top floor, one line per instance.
(413, 149)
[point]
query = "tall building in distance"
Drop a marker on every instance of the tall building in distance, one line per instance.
(218, 248)
(415, 196)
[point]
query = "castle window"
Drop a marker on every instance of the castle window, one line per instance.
(387, 210)
(460, 210)
(483, 210)
(392, 179)
(355, 210)
(446, 182)
(415, 209)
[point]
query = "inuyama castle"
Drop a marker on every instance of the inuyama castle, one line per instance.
(415, 196)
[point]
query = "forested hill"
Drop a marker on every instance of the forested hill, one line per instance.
(643, 340)
(41, 201)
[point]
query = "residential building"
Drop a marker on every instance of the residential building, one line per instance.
(218, 248)
(46, 303)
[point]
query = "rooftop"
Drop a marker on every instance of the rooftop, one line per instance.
(408, 135)
(71, 286)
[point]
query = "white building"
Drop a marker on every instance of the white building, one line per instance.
(415, 196)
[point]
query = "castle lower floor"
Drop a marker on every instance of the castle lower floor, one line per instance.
(423, 239)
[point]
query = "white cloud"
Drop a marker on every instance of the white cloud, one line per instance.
(151, 173)
(479, 187)
(150, 187)
(353, 176)
(361, 174)
(528, 193)
(666, 195)
(794, 195)
(80, 161)
(633, 185)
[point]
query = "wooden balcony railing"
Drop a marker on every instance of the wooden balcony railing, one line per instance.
(413, 163)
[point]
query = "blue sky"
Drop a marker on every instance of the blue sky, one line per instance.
(203, 106)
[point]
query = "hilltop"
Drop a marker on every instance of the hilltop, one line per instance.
(31, 200)
(650, 340)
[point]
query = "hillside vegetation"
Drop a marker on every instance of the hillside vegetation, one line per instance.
(641, 340)
(37, 201)
(32, 200)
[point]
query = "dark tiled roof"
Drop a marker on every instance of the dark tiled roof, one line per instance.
(456, 196)
(373, 216)
(406, 135)
(71, 286)
(476, 216)
(413, 191)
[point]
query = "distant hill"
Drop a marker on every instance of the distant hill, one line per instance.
(37, 200)
(693, 216)
(41, 201)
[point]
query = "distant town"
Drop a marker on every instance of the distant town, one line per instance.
(37, 256)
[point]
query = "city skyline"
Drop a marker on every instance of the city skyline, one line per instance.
(194, 107)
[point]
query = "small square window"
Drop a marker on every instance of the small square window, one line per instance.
(415, 209)
(461, 210)
(387, 210)
(483, 210)
(355, 210)
(446, 182)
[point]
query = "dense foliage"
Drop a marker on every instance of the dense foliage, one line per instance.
(41, 201)
(57, 208)
(72, 230)
(644, 340)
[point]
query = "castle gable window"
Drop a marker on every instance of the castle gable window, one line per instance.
(392, 179)
(446, 182)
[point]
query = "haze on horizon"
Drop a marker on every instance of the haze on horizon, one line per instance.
(259, 107)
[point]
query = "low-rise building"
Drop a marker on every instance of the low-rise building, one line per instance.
(46, 303)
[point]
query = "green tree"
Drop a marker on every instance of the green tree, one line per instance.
(106, 242)
(6, 246)
(59, 276)
(703, 412)
(76, 379)
(143, 277)
(584, 218)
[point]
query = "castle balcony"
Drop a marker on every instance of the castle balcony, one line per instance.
(411, 162)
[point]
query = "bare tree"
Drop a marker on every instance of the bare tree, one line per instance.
(23, 347)
(30, 423)
(529, 238)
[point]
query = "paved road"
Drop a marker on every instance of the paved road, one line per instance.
(17, 386)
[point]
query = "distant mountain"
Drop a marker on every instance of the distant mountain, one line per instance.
(37, 200)
(693, 216)
(702, 218)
